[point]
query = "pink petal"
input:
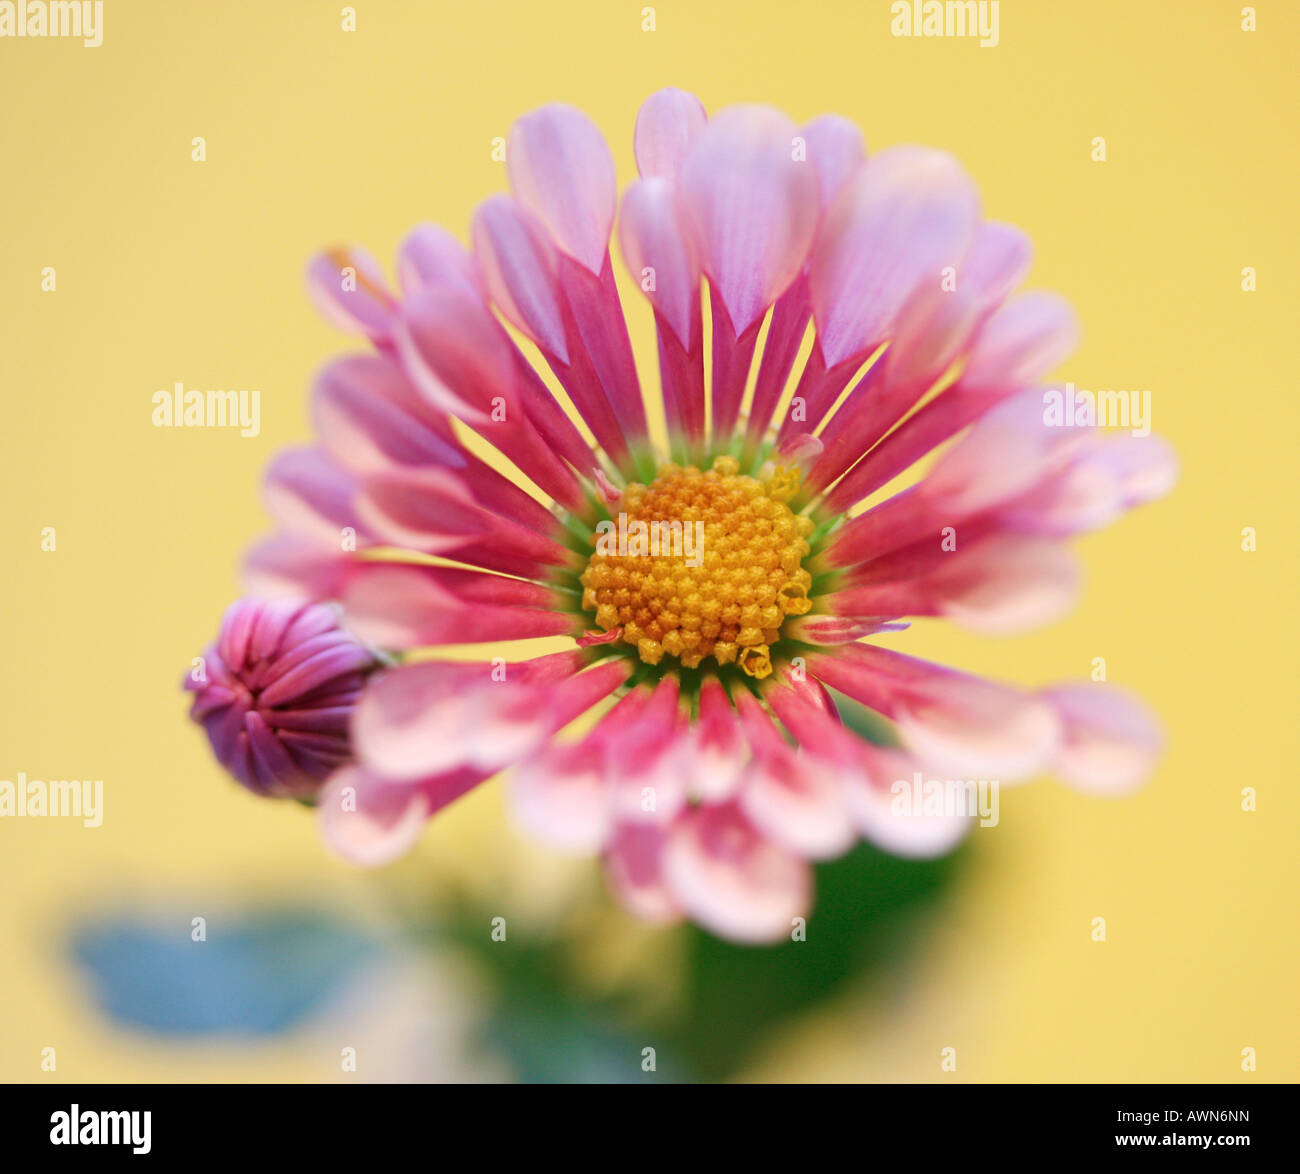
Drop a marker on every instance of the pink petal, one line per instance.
(562, 170)
(998, 261)
(733, 356)
(786, 797)
(837, 629)
(1145, 467)
(932, 335)
(1006, 453)
(559, 797)
(951, 721)
(836, 151)
(430, 255)
(359, 408)
(425, 718)
(882, 803)
(785, 335)
(307, 492)
(598, 328)
(367, 822)
(289, 564)
(720, 752)
(865, 777)
(433, 510)
(666, 125)
(1008, 583)
(1021, 342)
(907, 214)
(681, 375)
(331, 659)
(731, 880)
(456, 353)
(409, 607)
(653, 239)
(357, 301)
(518, 264)
(1110, 739)
(933, 329)
(646, 759)
(1110, 474)
(430, 509)
(1085, 495)
(977, 728)
(634, 869)
(796, 805)
(431, 717)
(751, 206)
(934, 422)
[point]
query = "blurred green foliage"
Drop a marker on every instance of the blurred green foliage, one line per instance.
(871, 909)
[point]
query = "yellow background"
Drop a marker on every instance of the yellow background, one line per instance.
(172, 270)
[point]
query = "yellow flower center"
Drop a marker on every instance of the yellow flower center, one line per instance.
(702, 564)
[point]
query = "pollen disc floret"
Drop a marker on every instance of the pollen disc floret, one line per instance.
(702, 565)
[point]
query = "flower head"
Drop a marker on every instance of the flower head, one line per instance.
(729, 556)
(275, 694)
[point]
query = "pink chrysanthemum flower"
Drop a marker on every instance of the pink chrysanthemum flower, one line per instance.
(276, 692)
(717, 767)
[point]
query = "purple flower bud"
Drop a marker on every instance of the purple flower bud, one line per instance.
(276, 693)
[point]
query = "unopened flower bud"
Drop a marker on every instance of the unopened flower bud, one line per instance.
(276, 693)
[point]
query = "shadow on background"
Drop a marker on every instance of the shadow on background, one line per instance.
(265, 975)
(271, 971)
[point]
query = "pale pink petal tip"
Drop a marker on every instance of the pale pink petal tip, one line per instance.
(430, 255)
(909, 812)
(659, 254)
(976, 728)
(836, 151)
(732, 880)
(907, 214)
(1021, 342)
(518, 263)
(367, 822)
(427, 718)
(561, 169)
(350, 290)
(752, 205)
(1110, 741)
(666, 125)
(796, 805)
(1009, 584)
(1145, 467)
(559, 797)
(306, 490)
(634, 869)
